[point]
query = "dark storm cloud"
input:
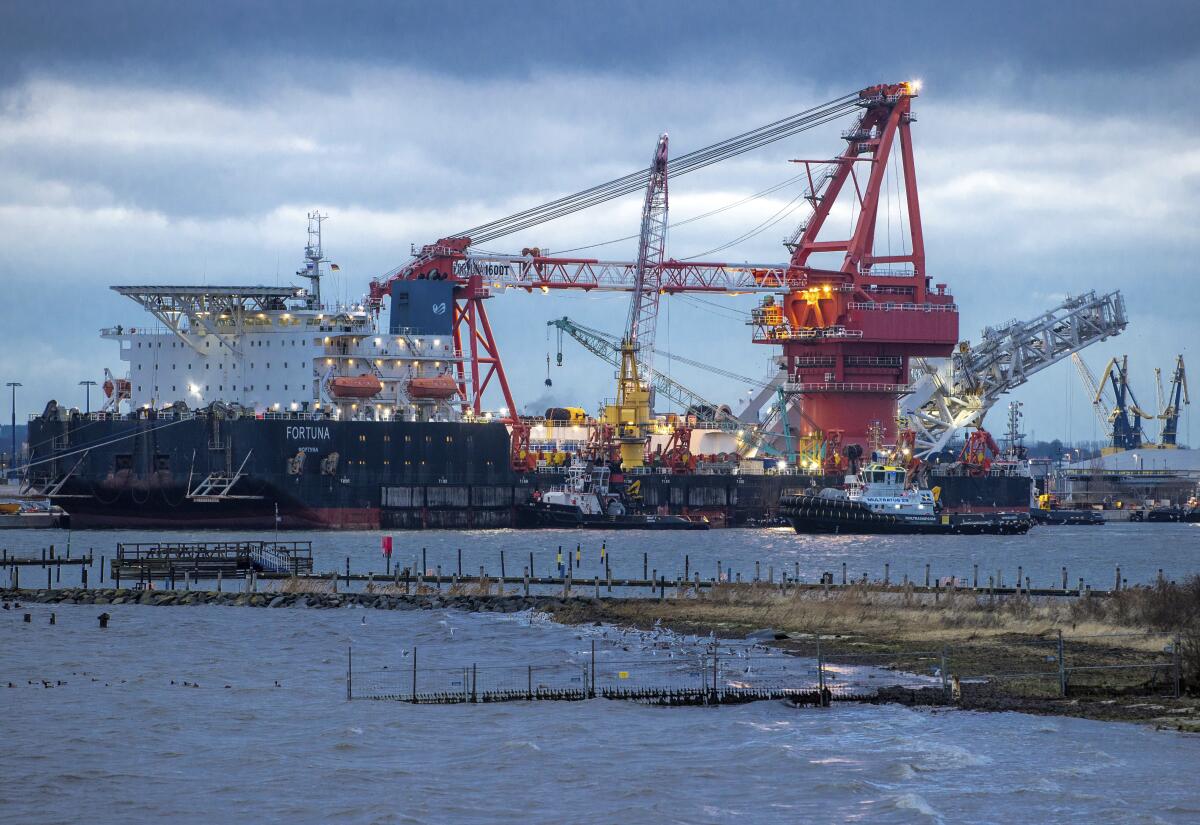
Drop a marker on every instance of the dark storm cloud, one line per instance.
(219, 43)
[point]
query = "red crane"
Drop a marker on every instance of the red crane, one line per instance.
(847, 332)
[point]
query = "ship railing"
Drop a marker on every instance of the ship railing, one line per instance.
(817, 386)
(887, 306)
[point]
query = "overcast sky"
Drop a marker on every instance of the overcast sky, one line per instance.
(147, 142)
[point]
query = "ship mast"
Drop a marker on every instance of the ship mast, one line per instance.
(313, 257)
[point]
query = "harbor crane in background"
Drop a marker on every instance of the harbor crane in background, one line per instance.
(1124, 415)
(1170, 405)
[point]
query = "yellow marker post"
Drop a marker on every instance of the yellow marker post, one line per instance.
(624, 674)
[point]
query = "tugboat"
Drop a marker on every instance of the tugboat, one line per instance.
(586, 501)
(880, 499)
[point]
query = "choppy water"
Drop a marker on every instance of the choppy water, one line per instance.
(1093, 553)
(119, 743)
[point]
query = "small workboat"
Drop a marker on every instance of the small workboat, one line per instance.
(585, 500)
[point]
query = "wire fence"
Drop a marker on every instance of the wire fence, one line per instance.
(813, 671)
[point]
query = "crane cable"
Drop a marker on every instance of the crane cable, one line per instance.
(770, 190)
(635, 181)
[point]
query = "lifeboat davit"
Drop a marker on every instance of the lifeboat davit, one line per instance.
(361, 386)
(439, 387)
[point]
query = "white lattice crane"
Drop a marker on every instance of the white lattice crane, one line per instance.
(632, 414)
(960, 393)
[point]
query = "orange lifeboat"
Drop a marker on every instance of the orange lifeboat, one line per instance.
(362, 386)
(439, 387)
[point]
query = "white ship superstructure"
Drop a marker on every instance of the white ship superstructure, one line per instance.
(277, 349)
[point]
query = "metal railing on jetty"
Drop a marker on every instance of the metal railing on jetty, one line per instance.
(207, 559)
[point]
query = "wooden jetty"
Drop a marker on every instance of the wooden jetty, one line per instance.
(208, 559)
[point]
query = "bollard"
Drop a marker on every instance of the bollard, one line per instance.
(104, 617)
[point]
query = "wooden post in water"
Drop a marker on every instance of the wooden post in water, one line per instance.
(687, 566)
(1020, 578)
(1080, 591)
(414, 673)
(597, 583)
(927, 574)
(843, 572)
(347, 573)
(662, 588)
(460, 562)
(531, 573)
(1117, 583)
(349, 672)
(770, 574)
(526, 577)
(886, 573)
(974, 576)
(645, 562)
(797, 578)
(1064, 577)
(1062, 667)
(757, 572)
(502, 569)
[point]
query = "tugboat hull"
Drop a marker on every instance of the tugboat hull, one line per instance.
(553, 515)
(817, 514)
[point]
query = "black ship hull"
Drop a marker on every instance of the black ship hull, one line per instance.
(561, 516)
(817, 514)
(203, 471)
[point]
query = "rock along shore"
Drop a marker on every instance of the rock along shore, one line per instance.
(508, 603)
